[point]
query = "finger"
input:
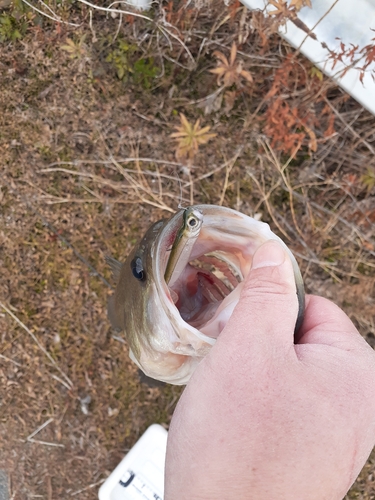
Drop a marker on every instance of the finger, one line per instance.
(324, 323)
(267, 310)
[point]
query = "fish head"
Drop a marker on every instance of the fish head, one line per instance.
(160, 342)
(169, 330)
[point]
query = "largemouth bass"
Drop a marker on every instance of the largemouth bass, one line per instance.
(178, 287)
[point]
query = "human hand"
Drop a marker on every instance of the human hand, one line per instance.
(266, 418)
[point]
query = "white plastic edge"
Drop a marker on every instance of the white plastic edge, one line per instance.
(348, 20)
(140, 4)
(154, 436)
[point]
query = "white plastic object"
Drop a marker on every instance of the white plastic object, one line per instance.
(331, 22)
(140, 474)
(140, 4)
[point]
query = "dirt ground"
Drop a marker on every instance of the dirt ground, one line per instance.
(87, 162)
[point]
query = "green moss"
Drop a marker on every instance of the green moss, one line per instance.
(365, 269)
(11, 29)
(144, 72)
(40, 286)
(120, 58)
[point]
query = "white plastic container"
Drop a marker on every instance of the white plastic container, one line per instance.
(140, 475)
(140, 4)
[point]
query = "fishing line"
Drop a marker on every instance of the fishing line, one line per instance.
(179, 206)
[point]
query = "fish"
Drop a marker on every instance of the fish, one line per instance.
(180, 284)
(183, 245)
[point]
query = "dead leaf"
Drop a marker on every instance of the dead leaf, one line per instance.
(230, 72)
(211, 103)
(298, 4)
(282, 8)
(189, 137)
(313, 144)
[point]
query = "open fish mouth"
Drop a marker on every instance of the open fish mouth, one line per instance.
(181, 283)
(212, 278)
(207, 286)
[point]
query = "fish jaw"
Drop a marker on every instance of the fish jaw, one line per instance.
(235, 235)
(161, 342)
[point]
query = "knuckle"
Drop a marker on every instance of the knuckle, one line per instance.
(268, 283)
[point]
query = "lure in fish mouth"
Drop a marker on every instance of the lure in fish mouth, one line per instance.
(179, 286)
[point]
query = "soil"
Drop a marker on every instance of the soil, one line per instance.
(87, 164)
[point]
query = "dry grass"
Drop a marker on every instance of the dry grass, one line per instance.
(87, 163)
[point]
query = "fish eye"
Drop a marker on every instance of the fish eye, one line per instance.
(137, 269)
(192, 222)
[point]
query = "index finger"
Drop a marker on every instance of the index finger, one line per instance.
(324, 323)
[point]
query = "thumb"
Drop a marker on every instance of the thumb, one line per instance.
(267, 310)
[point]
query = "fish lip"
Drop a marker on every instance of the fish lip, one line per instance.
(163, 242)
(166, 236)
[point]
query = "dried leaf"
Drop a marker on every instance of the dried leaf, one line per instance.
(70, 46)
(282, 8)
(211, 103)
(313, 144)
(316, 72)
(75, 49)
(189, 137)
(298, 4)
(230, 72)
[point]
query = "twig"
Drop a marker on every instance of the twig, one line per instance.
(282, 170)
(268, 205)
(119, 11)
(116, 337)
(118, 160)
(191, 182)
(139, 186)
(46, 443)
(208, 174)
(326, 266)
(56, 19)
(30, 439)
(61, 381)
(349, 127)
(10, 360)
(49, 488)
(315, 25)
(40, 428)
(119, 187)
(118, 28)
(163, 29)
(346, 223)
(87, 487)
(228, 170)
(110, 183)
(48, 8)
(94, 38)
(38, 344)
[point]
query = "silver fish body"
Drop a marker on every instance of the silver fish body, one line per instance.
(183, 245)
(170, 329)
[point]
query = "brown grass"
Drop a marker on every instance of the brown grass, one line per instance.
(87, 163)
